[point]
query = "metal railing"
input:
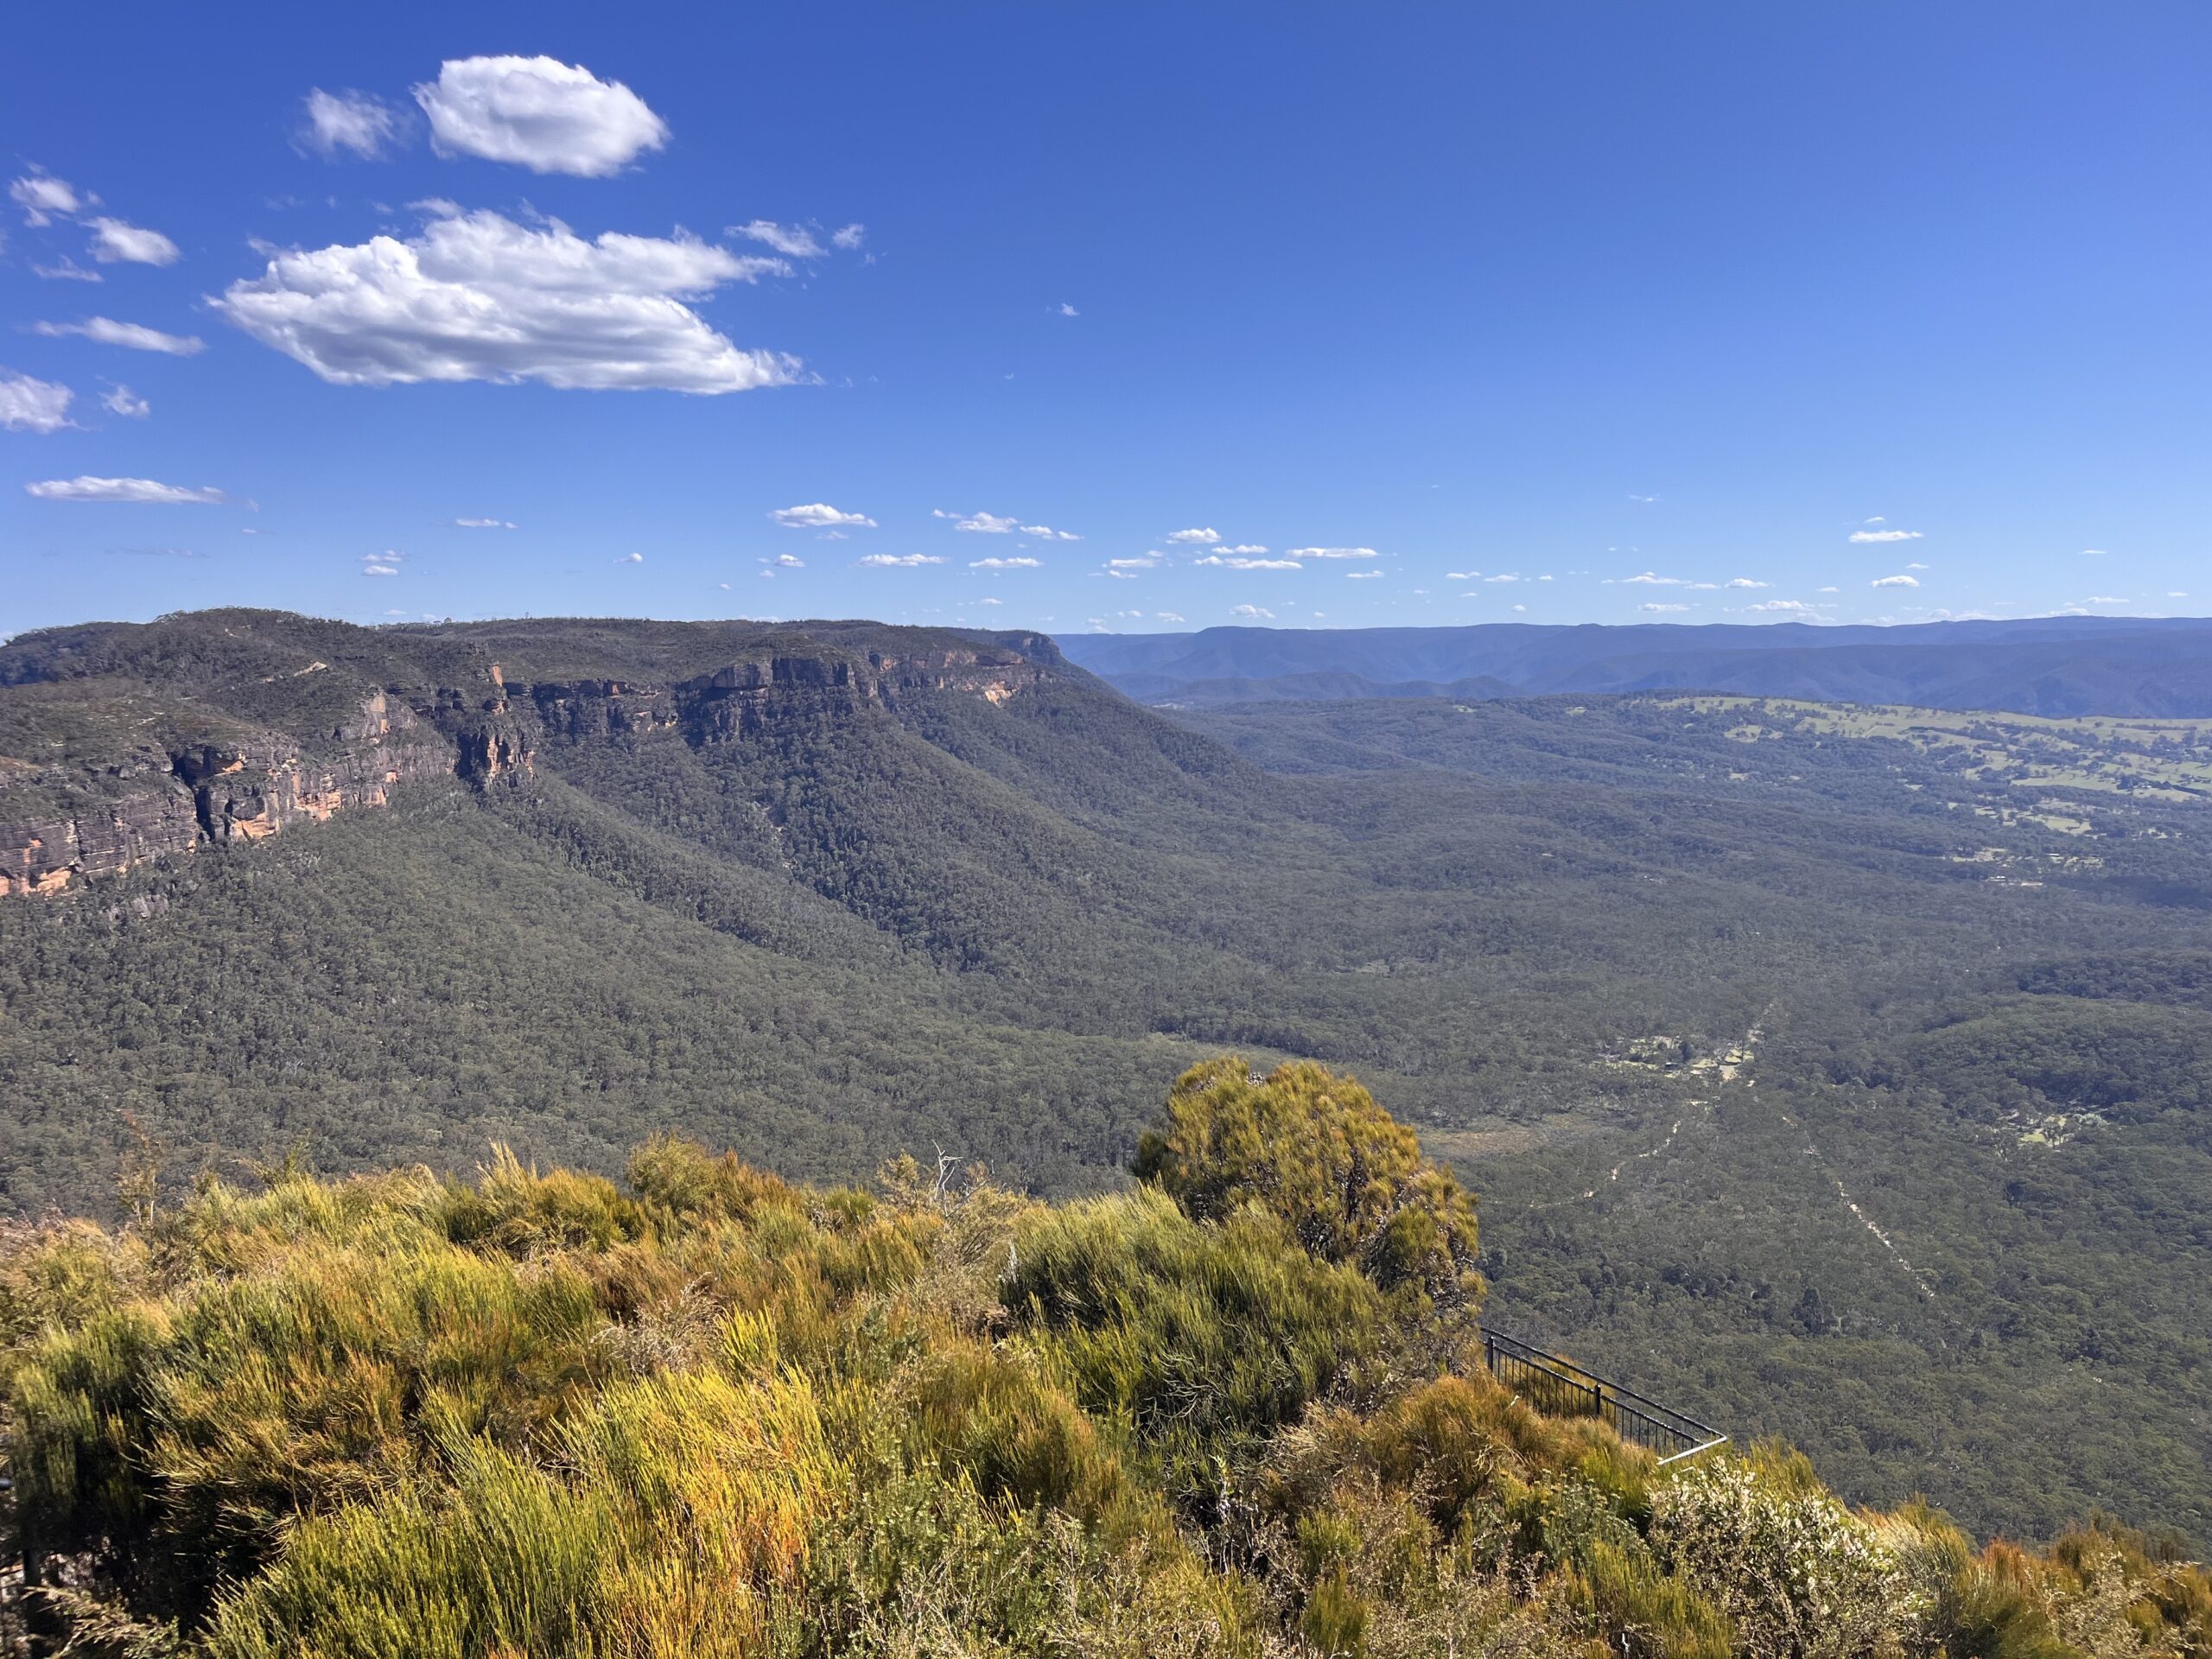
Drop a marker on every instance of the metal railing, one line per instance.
(1559, 1388)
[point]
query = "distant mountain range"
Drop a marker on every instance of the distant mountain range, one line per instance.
(2063, 665)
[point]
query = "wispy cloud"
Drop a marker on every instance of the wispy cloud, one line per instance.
(1003, 564)
(795, 240)
(1046, 533)
(1787, 606)
(1655, 605)
(30, 404)
(1884, 535)
(1252, 613)
(134, 336)
(1241, 564)
(142, 490)
(118, 242)
(979, 523)
(482, 524)
(1333, 553)
(41, 196)
(120, 400)
(358, 123)
(1745, 582)
(631, 558)
(898, 561)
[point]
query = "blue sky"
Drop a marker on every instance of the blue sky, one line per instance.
(1419, 312)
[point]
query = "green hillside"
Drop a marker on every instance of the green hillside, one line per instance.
(1833, 1081)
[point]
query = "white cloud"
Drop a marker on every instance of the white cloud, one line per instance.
(819, 515)
(1046, 533)
(1067, 310)
(40, 195)
(1884, 535)
(379, 569)
(990, 601)
(68, 271)
(1745, 582)
(2094, 553)
(1333, 553)
(1248, 549)
(360, 122)
(1876, 519)
(32, 405)
(1915, 565)
(1166, 616)
(1825, 591)
(1145, 563)
(136, 336)
(793, 239)
(1239, 563)
(120, 400)
(1895, 582)
(477, 297)
(898, 561)
(2104, 598)
(1253, 611)
(115, 242)
(1462, 575)
(1661, 607)
(123, 489)
(540, 113)
(1511, 576)
(1787, 606)
(1203, 538)
(849, 236)
(1002, 565)
(2177, 595)
(484, 524)
(1363, 575)
(1646, 498)
(981, 524)
(631, 558)
(789, 561)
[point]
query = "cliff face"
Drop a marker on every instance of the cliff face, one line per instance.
(164, 803)
(75, 821)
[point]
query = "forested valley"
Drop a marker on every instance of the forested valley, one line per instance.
(1834, 1074)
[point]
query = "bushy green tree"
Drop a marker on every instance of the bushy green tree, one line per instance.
(1314, 1149)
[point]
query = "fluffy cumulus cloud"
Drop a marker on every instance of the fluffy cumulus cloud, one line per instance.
(27, 404)
(1238, 562)
(1786, 607)
(789, 561)
(820, 515)
(358, 123)
(1884, 535)
(1046, 533)
(1003, 564)
(1745, 582)
(979, 523)
(477, 297)
(631, 558)
(1166, 616)
(1200, 537)
(117, 242)
(1252, 613)
(1333, 553)
(1896, 581)
(42, 197)
(1144, 563)
(134, 335)
(1244, 550)
(120, 400)
(1657, 608)
(124, 489)
(540, 113)
(898, 561)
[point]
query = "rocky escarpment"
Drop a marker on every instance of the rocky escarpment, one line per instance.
(146, 798)
(741, 698)
(158, 802)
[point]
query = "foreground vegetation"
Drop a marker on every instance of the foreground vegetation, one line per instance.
(1234, 1410)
